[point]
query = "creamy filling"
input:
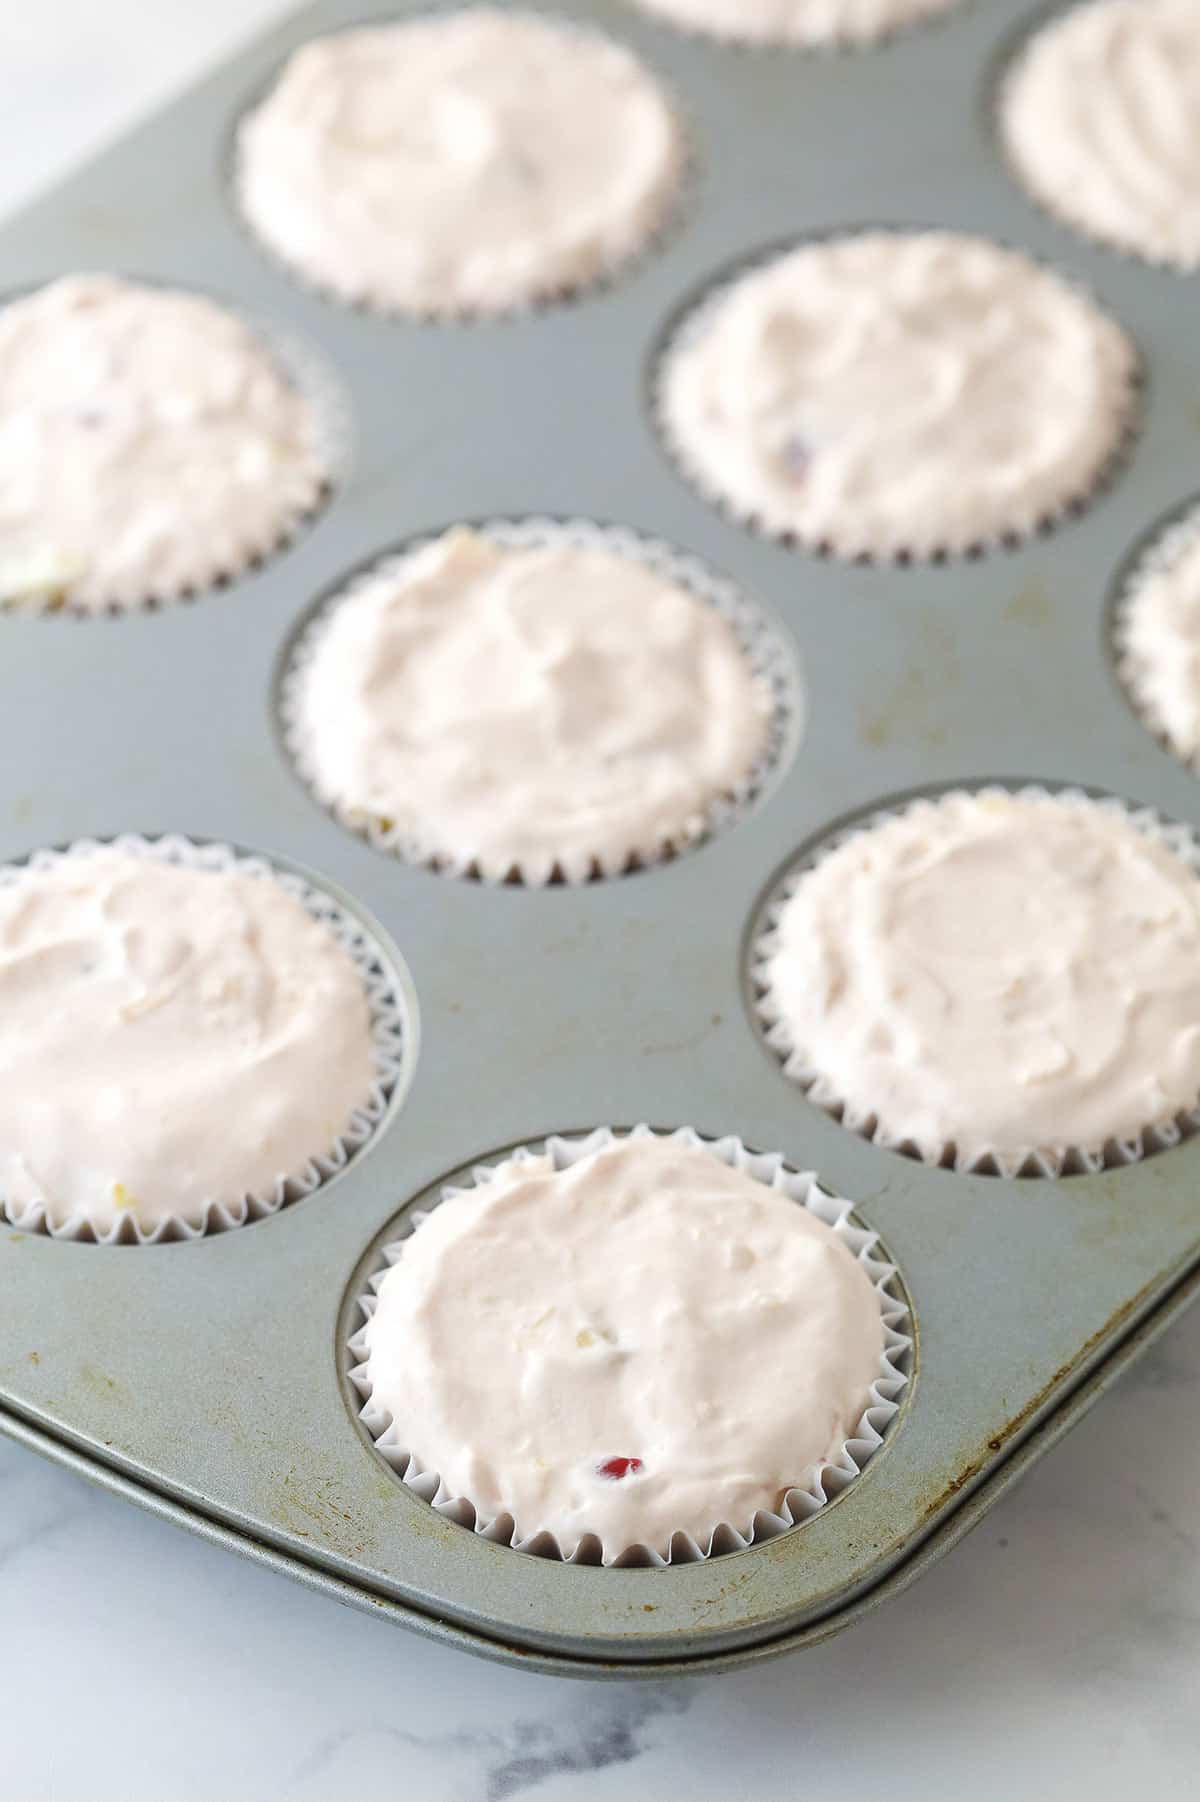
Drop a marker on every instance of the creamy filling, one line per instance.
(1101, 115)
(471, 161)
(893, 392)
(536, 709)
(998, 973)
(600, 1350)
(170, 1037)
(149, 444)
(797, 21)
(1160, 632)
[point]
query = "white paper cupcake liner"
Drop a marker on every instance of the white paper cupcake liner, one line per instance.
(1058, 209)
(1160, 551)
(675, 209)
(746, 38)
(813, 1489)
(311, 375)
(1027, 1161)
(690, 320)
(767, 650)
(388, 1043)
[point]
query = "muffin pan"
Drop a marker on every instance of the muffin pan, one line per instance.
(208, 1380)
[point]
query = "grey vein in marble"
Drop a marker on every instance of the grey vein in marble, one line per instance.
(605, 1728)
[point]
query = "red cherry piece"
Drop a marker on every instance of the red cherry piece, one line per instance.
(616, 1468)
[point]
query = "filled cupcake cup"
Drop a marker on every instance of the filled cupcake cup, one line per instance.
(802, 1067)
(389, 1047)
(1156, 676)
(1135, 232)
(860, 28)
(55, 582)
(1116, 423)
(769, 658)
(814, 1487)
(661, 212)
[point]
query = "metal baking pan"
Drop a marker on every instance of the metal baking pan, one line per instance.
(206, 1379)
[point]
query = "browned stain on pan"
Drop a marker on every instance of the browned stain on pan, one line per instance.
(1030, 606)
(312, 1510)
(1024, 1416)
(912, 707)
(96, 1380)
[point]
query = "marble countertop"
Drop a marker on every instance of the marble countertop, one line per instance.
(1056, 1653)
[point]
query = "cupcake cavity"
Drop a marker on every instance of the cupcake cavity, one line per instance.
(644, 1343)
(538, 709)
(1158, 632)
(150, 445)
(994, 974)
(468, 162)
(890, 393)
(1101, 118)
(801, 22)
(174, 1039)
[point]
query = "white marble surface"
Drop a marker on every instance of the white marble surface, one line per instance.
(1055, 1654)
